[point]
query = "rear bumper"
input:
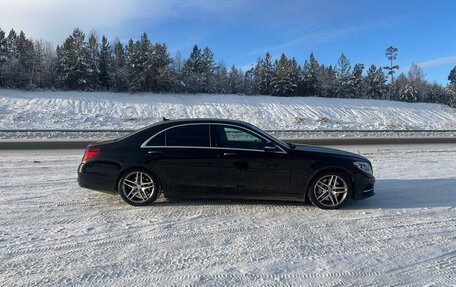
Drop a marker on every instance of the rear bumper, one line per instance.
(95, 181)
(363, 186)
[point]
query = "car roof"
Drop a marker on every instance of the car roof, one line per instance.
(204, 120)
(169, 123)
(198, 120)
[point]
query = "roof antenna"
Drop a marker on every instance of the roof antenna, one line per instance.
(165, 119)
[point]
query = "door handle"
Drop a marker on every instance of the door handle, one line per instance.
(154, 152)
(230, 154)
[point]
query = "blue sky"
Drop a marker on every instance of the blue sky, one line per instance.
(240, 31)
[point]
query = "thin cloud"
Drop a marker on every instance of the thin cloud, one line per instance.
(55, 19)
(433, 63)
(313, 38)
(438, 62)
(310, 35)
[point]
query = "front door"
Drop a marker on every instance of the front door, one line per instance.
(246, 169)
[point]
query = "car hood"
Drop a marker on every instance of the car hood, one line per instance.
(325, 150)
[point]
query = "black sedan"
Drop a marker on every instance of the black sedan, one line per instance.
(214, 158)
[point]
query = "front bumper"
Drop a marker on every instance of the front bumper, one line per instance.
(363, 186)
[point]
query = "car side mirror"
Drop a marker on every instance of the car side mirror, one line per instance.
(270, 148)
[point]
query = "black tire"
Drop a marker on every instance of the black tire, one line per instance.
(330, 190)
(138, 187)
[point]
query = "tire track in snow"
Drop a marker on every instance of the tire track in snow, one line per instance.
(194, 242)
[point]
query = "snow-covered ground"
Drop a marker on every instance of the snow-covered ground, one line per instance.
(77, 110)
(55, 233)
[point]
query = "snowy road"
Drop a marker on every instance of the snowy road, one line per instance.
(55, 233)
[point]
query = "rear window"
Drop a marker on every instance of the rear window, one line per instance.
(158, 140)
(192, 135)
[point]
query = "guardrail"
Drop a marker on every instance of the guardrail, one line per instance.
(327, 137)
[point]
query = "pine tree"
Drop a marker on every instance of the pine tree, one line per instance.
(119, 69)
(451, 96)
(329, 82)
(435, 93)
(143, 66)
(3, 50)
(3, 56)
(72, 62)
(146, 62)
(311, 82)
(17, 57)
(375, 83)
(142, 69)
(160, 68)
(192, 72)
(391, 55)
(345, 84)
(452, 76)
(104, 65)
(199, 71)
(207, 73)
(81, 67)
(295, 74)
(11, 41)
(11, 68)
(135, 70)
(264, 73)
(410, 93)
(357, 89)
(451, 89)
(235, 81)
(282, 83)
(404, 90)
(92, 54)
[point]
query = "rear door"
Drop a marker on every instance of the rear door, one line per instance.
(245, 168)
(184, 161)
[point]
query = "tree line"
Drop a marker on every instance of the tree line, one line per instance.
(89, 64)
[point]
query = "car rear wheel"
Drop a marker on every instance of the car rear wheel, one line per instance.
(138, 188)
(330, 190)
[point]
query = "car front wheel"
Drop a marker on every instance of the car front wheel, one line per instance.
(330, 190)
(138, 187)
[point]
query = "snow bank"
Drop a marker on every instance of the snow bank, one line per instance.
(19, 109)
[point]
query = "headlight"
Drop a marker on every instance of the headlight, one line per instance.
(364, 166)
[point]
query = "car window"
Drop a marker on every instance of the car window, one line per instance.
(232, 137)
(191, 135)
(158, 140)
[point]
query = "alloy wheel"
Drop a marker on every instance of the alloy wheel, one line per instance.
(330, 190)
(138, 187)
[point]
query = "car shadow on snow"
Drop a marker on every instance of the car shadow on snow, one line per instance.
(178, 201)
(410, 193)
(389, 194)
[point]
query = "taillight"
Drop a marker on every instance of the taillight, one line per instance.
(90, 153)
